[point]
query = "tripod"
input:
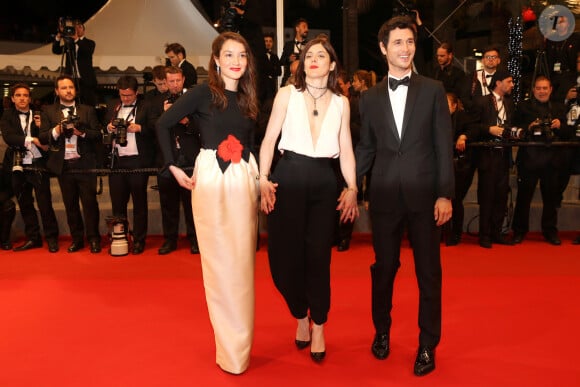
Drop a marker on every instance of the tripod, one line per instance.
(69, 57)
(540, 67)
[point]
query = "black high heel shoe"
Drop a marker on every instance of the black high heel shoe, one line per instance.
(301, 344)
(318, 357)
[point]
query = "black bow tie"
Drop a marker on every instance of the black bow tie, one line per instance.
(394, 83)
(127, 106)
(488, 75)
(23, 113)
(67, 107)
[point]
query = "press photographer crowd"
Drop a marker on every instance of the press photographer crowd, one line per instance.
(78, 143)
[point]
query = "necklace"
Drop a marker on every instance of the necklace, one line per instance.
(315, 111)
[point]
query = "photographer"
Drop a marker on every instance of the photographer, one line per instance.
(176, 57)
(20, 129)
(7, 205)
(73, 131)
(292, 48)
(78, 50)
(544, 121)
(131, 125)
(495, 113)
(185, 146)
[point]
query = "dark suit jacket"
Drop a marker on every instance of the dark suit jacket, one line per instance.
(88, 122)
(146, 117)
(417, 168)
(12, 129)
(285, 60)
(189, 73)
(84, 56)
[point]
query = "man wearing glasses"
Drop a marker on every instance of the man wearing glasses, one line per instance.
(482, 78)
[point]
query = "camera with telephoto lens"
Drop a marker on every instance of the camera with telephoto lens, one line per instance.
(18, 154)
(514, 133)
(120, 124)
(69, 124)
(542, 129)
(67, 26)
(406, 9)
(118, 230)
(229, 20)
(172, 98)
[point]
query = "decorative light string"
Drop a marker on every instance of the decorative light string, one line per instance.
(515, 38)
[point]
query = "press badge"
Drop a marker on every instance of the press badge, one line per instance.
(557, 66)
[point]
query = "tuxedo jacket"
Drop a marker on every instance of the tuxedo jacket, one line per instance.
(146, 117)
(12, 131)
(86, 146)
(417, 168)
(189, 73)
(285, 60)
(84, 56)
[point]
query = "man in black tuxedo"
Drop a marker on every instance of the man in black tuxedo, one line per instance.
(78, 51)
(292, 48)
(413, 184)
(73, 130)
(185, 148)
(494, 113)
(20, 129)
(131, 150)
(176, 57)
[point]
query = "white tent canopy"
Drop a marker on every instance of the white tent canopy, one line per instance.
(133, 33)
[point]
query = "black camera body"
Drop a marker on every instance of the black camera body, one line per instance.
(542, 129)
(120, 125)
(406, 9)
(172, 98)
(229, 20)
(67, 26)
(69, 124)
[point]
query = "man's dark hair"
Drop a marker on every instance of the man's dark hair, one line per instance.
(61, 77)
(176, 48)
(19, 85)
(158, 72)
(300, 20)
(127, 82)
(269, 35)
(447, 47)
(397, 22)
(491, 48)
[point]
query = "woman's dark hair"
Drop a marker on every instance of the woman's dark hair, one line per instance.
(332, 83)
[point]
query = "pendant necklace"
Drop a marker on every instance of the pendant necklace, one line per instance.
(315, 111)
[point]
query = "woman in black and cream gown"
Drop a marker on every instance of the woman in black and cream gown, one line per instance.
(224, 192)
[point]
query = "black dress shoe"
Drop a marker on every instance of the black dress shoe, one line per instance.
(576, 241)
(453, 240)
(485, 242)
(138, 247)
(167, 247)
(518, 237)
(343, 245)
(75, 246)
(6, 245)
(553, 239)
(95, 246)
(380, 347)
(194, 248)
(52, 245)
(425, 361)
(501, 240)
(318, 357)
(29, 244)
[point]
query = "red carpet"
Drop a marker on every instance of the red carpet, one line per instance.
(511, 317)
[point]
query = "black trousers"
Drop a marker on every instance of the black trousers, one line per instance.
(388, 229)
(171, 196)
(23, 184)
(133, 185)
(463, 178)
(83, 187)
(551, 197)
(301, 231)
(492, 190)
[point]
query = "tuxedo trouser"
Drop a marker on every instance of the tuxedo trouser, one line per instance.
(492, 190)
(424, 235)
(171, 195)
(134, 185)
(301, 231)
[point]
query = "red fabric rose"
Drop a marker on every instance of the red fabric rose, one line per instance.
(230, 149)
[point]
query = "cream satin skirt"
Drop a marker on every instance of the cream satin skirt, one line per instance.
(225, 211)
